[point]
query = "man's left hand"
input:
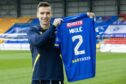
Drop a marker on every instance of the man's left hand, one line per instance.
(90, 14)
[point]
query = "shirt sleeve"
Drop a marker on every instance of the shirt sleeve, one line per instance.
(93, 45)
(37, 39)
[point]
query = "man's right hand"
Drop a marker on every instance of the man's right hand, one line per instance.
(91, 14)
(57, 21)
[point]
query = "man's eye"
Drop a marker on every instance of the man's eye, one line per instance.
(41, 13)
(48, 12)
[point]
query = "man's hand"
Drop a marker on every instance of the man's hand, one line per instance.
(90, 14)
(57, 21)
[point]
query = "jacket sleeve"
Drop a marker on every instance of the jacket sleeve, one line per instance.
(37, 39)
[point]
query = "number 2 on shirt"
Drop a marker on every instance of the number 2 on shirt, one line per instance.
(77, 46)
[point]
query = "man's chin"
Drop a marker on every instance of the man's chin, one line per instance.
(46, 24)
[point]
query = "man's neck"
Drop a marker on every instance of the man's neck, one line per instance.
(45, 26)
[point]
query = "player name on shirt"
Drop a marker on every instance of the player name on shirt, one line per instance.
(75, 30)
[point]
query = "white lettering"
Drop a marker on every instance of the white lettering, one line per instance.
(72, 24)
(75, 30)
(81, 59)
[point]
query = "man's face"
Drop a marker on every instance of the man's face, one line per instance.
(44, 15)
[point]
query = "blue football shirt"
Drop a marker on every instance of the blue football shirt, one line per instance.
(76, 39)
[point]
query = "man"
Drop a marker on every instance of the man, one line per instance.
(47, 64)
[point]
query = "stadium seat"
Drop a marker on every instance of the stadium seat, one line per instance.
(6, 23)
(115, 41)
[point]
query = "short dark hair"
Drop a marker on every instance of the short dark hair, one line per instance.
(43, 4)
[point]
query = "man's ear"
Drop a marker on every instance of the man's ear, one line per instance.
(37, 15)
(51, 13)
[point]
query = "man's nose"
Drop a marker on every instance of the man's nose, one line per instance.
(45, 15)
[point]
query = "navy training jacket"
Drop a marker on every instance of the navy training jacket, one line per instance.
(46, 60)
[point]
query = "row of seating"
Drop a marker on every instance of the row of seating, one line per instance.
(115, 41)
(6, 23)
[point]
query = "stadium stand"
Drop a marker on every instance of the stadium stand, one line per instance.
(123, 16)
(6, 23)
(115, 41)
